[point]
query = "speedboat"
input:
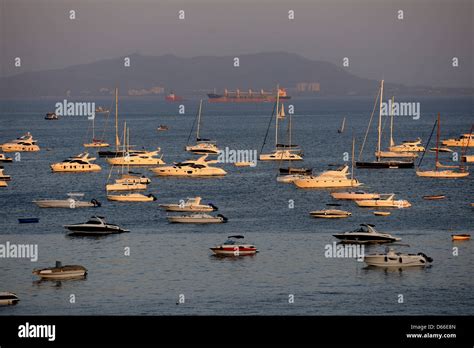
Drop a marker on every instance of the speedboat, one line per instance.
(79, 163)
(8, 298)
(131, 197)
(366, 233)
(330, 214)
(60, 272)
(290, 174)
(408, 146)
(203, 147)
(147, 158)
(465, 140)
(199, 167)
(162, 128)
(354, 195)
(4, 177)
(464, 236)
(385, 200)
(198, 218)
(231, 247)
(95, 226)
(4, 158)
(328, 179)
(72, 202)
(190, 205)
(434, 197)
(25, 143)
(393, 259)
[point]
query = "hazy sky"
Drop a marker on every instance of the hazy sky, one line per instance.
(417, 50)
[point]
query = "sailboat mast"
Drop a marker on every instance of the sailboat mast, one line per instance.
(199, 120)
(437, 142)
(352, 169)
(93, 129)
(117, 141)
(125, 149)
(392, 143)
(276, 118)
(380, 121)
(128, 149)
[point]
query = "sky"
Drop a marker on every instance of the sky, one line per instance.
(416, 50)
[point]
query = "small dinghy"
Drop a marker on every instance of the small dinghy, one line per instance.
(394, 259)
(330, 214)
(434, 197)
(28, 220)
(456, 237)
(60, 272)
(8, 298)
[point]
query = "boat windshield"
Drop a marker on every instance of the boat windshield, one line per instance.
(230, 242)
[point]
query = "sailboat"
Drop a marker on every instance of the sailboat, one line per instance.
(378, 163)
(283, 152)
(290, 174)
(394, 154)
(117, 151)
(96, 142)
(202, 146)
(442, 174)
(127, 181)
(341, 130)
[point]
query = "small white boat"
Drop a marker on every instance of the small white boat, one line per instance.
(71, 203)
(281, 155)
(196, 168)
(385, 200)
(8, 298)
(192, 204)
(382, 213)
(95, 226)
(197, 218)
(393, 259)
(131, 197)
(330, 214)
(4, 158)
(354, 195)
(148, 158)
(366, 234)
(25, 143)
(60, 272)
(244, 164)
(231, 247)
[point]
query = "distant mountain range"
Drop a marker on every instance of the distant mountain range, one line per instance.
(150, 75)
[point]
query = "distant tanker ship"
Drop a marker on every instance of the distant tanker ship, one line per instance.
(247, 97)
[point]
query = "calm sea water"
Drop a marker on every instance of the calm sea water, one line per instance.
(168, 260)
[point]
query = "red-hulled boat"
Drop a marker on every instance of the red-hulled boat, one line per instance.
(231, 247)
(171, 97)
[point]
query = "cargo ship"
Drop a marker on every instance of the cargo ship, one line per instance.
(171, 97)
(247, 97)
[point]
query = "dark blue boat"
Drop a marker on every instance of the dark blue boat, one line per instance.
(28, 220)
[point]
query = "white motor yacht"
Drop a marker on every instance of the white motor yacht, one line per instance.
(385, 200)
(390, 258)
(465, 140)
(143, 159)
(25, 143)
(72, 202)
(408, 146)
(354, 195)
(77, 164)
(199, 167)
(232, 247)
(190, 205)
(366, 233)
(197, 218)
(328, 179)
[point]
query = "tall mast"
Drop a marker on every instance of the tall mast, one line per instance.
(276, 118)
(352, 169)
(117, 141)
(128, 149)
(380, 121)
(437, 142)
(199, 119)
(392, 143)
(93, 129)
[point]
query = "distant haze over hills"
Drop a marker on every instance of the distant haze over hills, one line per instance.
(199, 75)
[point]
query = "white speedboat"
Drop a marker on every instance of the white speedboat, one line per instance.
(8, 298)
(95, 226)
(148, 158)
(4, 158)
(330, 214)
(77, 164)
(131, 197)
(72, 202)
(60, 272)
(25, 143)
(231, 247)
(198, 218)
(199, 167)
(465, 140)
(393, 259)
(385, 200)
(366, 233)
(3, 176)
(190, 205)
(328, 179)
(354, 195)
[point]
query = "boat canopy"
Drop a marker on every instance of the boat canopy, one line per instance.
(236, 237)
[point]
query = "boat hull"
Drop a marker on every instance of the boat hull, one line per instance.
(371, 203)
(194, 209)
(385, 165)
(19, 148)
(326, 182)
(352, 196)
(441, 174)
(179, 219)
(131, 198)
(125, 187)
(395, 261)
(76, 168)
(70, 204)
(188, 172)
